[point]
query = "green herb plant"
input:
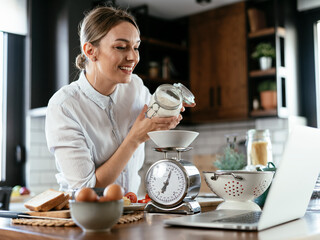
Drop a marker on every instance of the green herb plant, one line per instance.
(267, 85)
(264, 50)
(230, 160)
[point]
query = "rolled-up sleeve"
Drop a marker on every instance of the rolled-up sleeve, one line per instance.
(66, 140)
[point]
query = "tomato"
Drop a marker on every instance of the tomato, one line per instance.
(132, 196)
(147, 196)
(144, 200)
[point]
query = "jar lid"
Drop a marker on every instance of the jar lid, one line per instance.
(258, 133)
(187, 95)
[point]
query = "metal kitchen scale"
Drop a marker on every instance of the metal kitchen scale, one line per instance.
(173, 184)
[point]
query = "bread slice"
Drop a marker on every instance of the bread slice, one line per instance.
(64, 203)
(45, 200)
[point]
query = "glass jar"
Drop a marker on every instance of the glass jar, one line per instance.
(167, 100)
(153, 69)
(259, 148)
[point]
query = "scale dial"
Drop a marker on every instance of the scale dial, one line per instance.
(167, 182)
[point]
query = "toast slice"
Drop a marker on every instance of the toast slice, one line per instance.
(64, 203)
(45, 200)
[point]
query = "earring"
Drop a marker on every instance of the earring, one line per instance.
(94, 59)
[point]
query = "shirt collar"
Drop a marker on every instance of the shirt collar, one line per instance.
(101, 100)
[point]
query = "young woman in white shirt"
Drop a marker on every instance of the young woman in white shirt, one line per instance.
(96, 126)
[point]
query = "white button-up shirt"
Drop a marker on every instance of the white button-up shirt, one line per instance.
(84, 128)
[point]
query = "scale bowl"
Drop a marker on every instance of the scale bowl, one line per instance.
(173, 138)
(238, 188)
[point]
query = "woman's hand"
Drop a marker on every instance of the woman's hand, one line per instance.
(143, 125)
(187, 105)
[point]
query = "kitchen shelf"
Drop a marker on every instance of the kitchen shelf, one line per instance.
(163, 56)
(161, 80)
(263, 73)
(269, 22)
(263, 113)
(164, 44)
(268, 31)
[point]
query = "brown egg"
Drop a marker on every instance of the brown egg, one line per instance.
(103, 199)
(113, 192)
(86, 195)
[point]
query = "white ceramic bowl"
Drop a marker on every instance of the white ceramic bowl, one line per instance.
(173, 138)
(238, 188)
(96, 216)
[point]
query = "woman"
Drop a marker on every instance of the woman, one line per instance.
(96, 126)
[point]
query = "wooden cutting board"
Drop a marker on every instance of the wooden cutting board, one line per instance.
(56, 214)
(204, 163)
(209, 202)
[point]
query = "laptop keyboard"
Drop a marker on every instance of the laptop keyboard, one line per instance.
(251, 217)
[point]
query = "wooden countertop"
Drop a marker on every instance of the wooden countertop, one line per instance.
(152, 227)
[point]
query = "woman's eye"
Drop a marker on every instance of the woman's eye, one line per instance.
(120, 48)
(136, 49)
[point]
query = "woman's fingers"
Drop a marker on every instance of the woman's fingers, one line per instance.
(189, 105)
(166, 123)
(143, 112)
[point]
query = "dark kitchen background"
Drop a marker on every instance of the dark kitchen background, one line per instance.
(208, 51)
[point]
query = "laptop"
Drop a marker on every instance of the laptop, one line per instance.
(288, 196)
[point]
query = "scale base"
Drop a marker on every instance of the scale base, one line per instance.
(186, 207)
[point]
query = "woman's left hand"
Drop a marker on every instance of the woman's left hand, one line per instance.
(143, 125)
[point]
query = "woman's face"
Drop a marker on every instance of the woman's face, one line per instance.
(118, 54)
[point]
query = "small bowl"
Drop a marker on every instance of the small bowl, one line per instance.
(173, 138)
(96, 216)
(238, 188)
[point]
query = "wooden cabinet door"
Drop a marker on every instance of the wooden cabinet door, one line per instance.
(218, 67)
(201, 84)
(232, 78)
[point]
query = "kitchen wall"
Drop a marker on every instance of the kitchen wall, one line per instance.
(41, 170)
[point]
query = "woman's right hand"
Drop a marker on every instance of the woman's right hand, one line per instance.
(143, 125)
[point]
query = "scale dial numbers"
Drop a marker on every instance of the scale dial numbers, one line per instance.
(166, 182)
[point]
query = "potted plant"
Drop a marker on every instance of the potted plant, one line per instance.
(231, 159)
(265, 52)
(268, 94)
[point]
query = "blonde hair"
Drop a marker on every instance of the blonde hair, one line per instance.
(96, 24)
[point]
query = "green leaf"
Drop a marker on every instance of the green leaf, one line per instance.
(267, 85)
(264, 50)
(230, 160)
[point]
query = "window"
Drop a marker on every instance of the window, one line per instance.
(2, 106)
(317, 70)
(13, 30)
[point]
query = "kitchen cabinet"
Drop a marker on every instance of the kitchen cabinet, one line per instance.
(218, 65)
(273, 23)
(163, 51)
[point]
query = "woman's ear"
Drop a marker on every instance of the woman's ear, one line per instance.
(90, 51)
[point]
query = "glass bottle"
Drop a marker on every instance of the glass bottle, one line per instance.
(153, 69)
(259, 148)
(167, 100)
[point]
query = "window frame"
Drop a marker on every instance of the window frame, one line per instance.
(3, 105)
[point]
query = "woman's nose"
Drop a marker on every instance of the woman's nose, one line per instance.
(133, 55)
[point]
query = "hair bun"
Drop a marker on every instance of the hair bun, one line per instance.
(81, 61)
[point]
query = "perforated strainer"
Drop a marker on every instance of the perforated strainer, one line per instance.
(238, 188)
